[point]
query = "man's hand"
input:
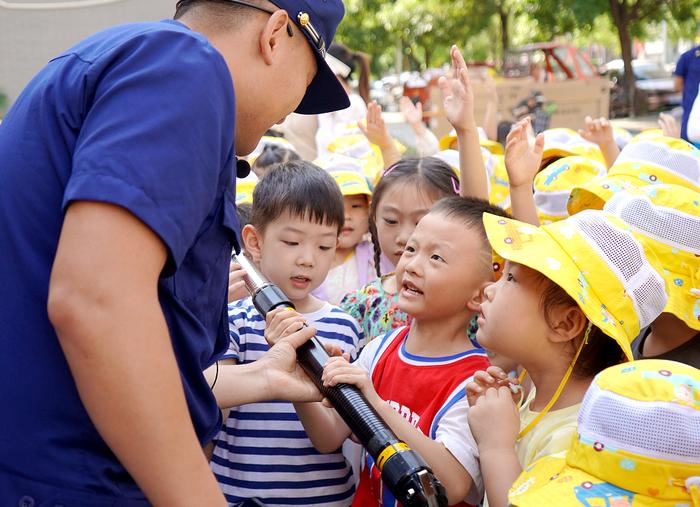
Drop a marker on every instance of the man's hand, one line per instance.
(458, 94)
(523, 155)
(284, 377)
(494, 420)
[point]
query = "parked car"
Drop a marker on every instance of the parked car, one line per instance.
(655, 88)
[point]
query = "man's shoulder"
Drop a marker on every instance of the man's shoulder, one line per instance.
(169, 40)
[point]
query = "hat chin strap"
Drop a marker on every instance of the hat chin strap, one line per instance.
(692, 485)
(562, 384)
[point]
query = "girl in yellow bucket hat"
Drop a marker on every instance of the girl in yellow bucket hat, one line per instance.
(574, 295)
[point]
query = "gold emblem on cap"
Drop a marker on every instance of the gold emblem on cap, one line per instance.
(303, 18)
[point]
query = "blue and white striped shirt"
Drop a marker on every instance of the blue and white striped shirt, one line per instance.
(263, 455)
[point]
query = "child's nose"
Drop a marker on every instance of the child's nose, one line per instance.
(489, 291)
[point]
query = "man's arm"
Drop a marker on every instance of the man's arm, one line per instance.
(678, 83)
(103, 303)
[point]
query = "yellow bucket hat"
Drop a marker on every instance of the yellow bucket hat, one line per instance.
(351, 183)
(622, 137)
(244, 191)
(554, 183)
(563, 142)
(647, 161)
(499, 186)
(355, 145)
(494, 147)
(596, 260)
(647, 134)
(667, 217)
(637, 444)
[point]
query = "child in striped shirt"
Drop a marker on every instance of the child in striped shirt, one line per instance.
(263, 455)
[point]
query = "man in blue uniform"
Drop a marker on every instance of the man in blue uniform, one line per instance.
(117, 220)
(687, 78)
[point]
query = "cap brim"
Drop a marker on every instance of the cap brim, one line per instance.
(550, 481)
(595, 193)
(325, 93)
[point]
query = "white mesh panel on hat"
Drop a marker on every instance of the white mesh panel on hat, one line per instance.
(625, 257)
(666, 225)
(661, 430)
(683, 163)
(552, 203)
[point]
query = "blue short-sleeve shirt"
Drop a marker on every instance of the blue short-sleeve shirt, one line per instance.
(140, 116)
(688, 67)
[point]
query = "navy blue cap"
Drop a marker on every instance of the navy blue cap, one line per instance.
(318, 20)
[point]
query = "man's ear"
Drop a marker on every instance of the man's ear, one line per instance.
(273, 31)
(567, 322)
(474, 303)
(252, 242)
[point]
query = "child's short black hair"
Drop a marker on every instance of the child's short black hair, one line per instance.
(470, 211)
(301, 189)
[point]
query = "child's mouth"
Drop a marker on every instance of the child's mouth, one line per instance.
(300, 282)
(410, 289)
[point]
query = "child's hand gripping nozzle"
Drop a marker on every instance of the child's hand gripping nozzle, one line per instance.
(404, 472)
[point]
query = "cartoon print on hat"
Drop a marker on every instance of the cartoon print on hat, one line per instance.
(637, 444)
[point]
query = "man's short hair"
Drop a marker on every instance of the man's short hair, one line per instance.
(217, 8)
(301, 189)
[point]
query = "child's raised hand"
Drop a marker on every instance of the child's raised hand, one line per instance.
(669, 125)
(493, 376)
(374, 128)
(412, 113)
(458, 94)
(282, 322)
(523, 156)
(491, 92)
(494, 420)
(236, 285)
(339, 371)
(598, 131)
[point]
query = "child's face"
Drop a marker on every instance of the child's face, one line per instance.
(356, 224)
(510, 318)
(296, 254)
(443, 269)
(398, 212)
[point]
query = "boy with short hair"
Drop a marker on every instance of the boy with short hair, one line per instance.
(263, 455)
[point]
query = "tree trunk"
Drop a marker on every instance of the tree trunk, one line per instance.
(428, 54)
(621, 18)
(505, 39)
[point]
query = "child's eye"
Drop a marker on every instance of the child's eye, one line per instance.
(436, 257)
(290, 243)
(389, 221)
(510, 277)
(357, 206)
(325, 248)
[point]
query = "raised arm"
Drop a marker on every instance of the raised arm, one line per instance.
(376, 132)
(459, 110)
(523, 157)
(103, 303)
